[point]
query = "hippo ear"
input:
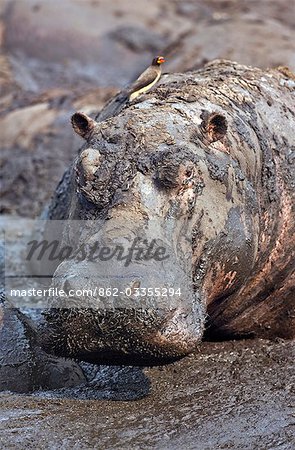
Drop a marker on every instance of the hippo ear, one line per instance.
(214, 125)
(83, 124)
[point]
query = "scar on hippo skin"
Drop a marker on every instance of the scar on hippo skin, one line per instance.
(214, 126)
(83, 125)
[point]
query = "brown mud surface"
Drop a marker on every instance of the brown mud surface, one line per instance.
(231, 395)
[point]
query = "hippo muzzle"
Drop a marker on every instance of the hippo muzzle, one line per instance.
(126, 309)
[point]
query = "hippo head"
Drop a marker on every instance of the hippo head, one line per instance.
(152, 176)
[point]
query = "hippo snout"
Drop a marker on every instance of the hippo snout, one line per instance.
(139, 315)
(122, 336)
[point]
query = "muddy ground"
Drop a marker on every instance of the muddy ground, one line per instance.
(59, 57)
(232, 395)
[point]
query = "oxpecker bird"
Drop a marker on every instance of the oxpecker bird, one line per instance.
(142, 84)
(147, 79)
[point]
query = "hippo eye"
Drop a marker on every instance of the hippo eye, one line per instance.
(167, 177)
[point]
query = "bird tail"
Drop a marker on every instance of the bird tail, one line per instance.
(113, 107)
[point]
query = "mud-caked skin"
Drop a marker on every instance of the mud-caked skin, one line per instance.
(211, 153)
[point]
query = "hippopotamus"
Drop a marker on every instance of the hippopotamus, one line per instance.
(208, 156)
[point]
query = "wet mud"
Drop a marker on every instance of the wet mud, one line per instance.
(234, 395)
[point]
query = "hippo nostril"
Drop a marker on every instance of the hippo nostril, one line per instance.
(89, 161)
